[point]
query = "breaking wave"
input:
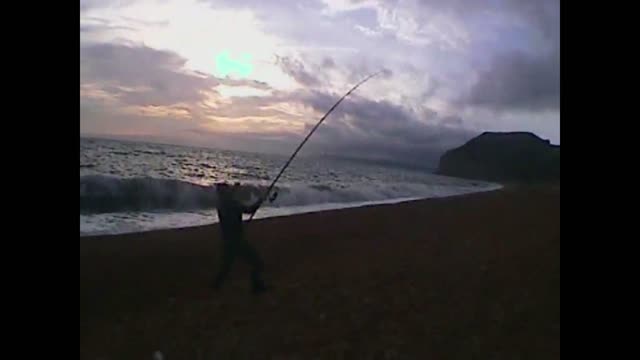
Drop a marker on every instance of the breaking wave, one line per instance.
(104, 194)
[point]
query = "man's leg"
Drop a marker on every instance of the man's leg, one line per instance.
(257, 266)
(226, 262)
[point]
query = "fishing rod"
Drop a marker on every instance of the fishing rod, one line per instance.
(273, 183)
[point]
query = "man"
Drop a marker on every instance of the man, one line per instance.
(230, 210)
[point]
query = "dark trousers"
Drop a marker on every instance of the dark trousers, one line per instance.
(233, 248)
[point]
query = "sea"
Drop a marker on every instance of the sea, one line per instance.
(130, 187)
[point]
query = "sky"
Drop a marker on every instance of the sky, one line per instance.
(451, 69)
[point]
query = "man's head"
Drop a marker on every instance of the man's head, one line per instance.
(224, 190)
(228, 191)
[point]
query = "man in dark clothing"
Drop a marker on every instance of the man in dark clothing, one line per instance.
(230, 211)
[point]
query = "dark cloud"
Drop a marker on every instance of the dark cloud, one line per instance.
(99, 4)
(543, 15)
(452, 120)
(421, 145)
(140, 75)
(328, 63)
(380, 129)
(159, 23)
(428, 114)
(539, 13)
(96, 24)
(393, 124)
(359, 127)
(431, 89)
(386, 73)
(296, 69)
(261, 85)
(95, 28)
(524, 78)
(358, 70)
(519, 81)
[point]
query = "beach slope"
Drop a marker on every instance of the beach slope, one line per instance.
(472, 276)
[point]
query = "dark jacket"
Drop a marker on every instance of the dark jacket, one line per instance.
(230, 215)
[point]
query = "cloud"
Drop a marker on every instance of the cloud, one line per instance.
(452, 120)
(139, 75)
(89, 28)
(297, 71)
(86, 5)
(150, 83)
(412, 23)
(451, 60)
(380, 129)
(359, 127)
(328, 63)
(260, 85)
(368, 31)
(145, 23)
(520, 82)
(515, 51)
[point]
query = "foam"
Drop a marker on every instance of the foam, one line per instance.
(120, 223)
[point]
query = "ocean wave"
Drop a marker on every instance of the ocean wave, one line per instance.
(101, 194)
(109, 194)
(105, 194)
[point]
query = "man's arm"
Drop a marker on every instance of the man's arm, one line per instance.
(251, 209)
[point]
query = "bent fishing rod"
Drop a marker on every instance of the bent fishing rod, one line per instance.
(273, 183)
